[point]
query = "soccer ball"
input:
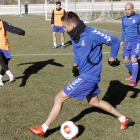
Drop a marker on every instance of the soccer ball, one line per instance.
(69, 130)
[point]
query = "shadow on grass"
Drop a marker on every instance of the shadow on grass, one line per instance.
(34, 68)
(68, 43)
(51, 131)
(117, 92)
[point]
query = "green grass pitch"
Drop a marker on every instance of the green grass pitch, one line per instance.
(42, 72)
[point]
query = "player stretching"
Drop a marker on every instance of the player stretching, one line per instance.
(56, 23)
(131, 50)
(4, 48)
(87, 46)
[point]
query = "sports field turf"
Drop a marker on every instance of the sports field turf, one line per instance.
(41, 72)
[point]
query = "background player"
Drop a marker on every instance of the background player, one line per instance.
(56, 23)
(131, 50)
(87, 46)
(4, 48)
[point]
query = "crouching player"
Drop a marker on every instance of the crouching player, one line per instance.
(4, 48)
(87, 46)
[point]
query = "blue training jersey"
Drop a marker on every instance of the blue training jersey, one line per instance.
(130, 28)
(88, 51)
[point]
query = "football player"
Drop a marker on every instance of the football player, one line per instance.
(87, 46)
(56, 23)
(4, 48)
(131, 51)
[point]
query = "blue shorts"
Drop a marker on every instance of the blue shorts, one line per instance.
(58, 28)
(131, 49)
(80, 87)
(6, 54)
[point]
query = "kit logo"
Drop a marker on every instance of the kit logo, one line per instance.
(71, 85)
(83, 44)
(137, 50)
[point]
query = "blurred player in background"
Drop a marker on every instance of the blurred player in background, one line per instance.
(131, 51)
(56, 23)
(87, 46)
(4, 48)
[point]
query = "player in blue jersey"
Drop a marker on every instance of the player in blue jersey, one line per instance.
(131, 51)
(87, 46)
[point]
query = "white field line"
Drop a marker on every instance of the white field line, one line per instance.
(53, 54)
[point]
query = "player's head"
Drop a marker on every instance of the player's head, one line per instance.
(58, 4)
(129, 9)
(70, 20)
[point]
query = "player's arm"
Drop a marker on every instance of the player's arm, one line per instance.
(52, 19)
(8, 27)
(122, 35)
(110, 40)
(138, 26)
(104, 38)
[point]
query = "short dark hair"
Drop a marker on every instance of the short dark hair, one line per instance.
(71, 17)
(58, 2)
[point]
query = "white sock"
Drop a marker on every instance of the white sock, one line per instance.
(45, 127)
(62, 44)
(122, 118)
(55, 44)
(9, 73)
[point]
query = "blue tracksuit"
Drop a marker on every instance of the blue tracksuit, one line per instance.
(130, 28)
(88, 51)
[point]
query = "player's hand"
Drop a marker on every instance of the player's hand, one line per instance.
(52, 25)
(121, 45)
(111, 59)
(75, 71)
(114, 63)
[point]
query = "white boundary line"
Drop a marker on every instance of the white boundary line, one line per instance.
(53, 54)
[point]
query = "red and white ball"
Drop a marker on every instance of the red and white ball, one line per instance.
(69, 130)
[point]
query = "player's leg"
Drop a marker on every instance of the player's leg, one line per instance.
(94, 101)
(55, 30)
(135, 66)
(4, 64)
(61, 29)
(74, 89)
(59, 99)
(128, 65)
(54, 40)
(126, 59)
(62, 40)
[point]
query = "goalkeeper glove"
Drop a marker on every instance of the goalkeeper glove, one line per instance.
(75, 71)
(114, 63)
(22, 32)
